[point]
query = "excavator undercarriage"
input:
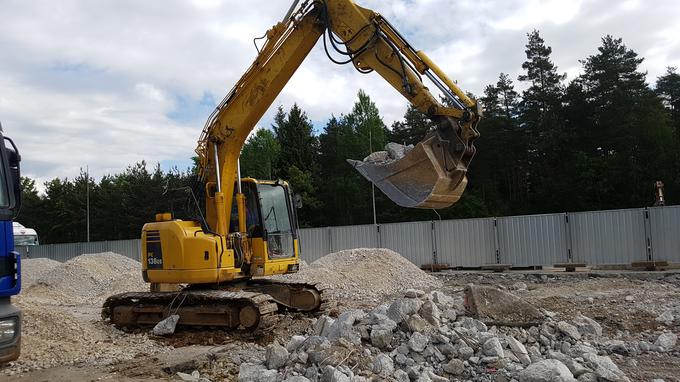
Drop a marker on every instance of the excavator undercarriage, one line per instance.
(242, 305)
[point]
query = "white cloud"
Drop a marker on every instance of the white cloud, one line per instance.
(534, 12)
(103, 83)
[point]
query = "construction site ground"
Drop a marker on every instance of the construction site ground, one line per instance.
(64, 338)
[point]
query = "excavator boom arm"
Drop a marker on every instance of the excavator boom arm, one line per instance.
(432, 175)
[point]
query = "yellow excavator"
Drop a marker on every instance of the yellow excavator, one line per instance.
(221, 260)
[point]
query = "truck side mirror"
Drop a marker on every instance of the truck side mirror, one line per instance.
(14, 161)
(297, 200)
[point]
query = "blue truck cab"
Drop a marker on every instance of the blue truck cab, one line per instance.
(10, 261)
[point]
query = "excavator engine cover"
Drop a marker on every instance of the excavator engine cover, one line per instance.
(432, 174)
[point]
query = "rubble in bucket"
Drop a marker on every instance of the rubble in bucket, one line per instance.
(393, 152)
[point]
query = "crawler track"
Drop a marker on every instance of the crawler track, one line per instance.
(239, 305)
(229, 309)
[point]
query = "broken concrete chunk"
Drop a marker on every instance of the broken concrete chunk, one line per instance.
(605, 368)
(418, 342)
(401, 376)
(331, 374)
(416, 323)
(666, 318)
(455, 367)
(323, 325)
(495, 307)
(666, 341)
(381, 338)
(465, 352)
(378, 156)
(472, 324)
(569, 330)
(443, 300)
(343, 327)
(519, 350)
(397, 151)
(402, 308)
(193, 377)
(276, 356)
(296, 378)
(587, 326)
(493, 348)
(413, 293)
(295, 342)
(549, 370)
(166, 326)
(430, 312)
(249, 372)
(383, 365)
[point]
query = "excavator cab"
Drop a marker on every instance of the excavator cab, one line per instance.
(271, 226)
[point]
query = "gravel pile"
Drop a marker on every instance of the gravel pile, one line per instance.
(364, 276)
(53, 336)
(33, 270)
(61, 304)
(429, 337)
(88, 278)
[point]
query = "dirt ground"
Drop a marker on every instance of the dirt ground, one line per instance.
(627, 305)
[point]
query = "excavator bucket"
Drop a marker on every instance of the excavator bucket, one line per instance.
(431, 174)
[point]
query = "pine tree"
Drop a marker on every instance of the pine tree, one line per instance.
(501, 100)
(297, 160)
(339, 180)
(260, 155)
(545, 83)
(539, 117)
(31, 208)
(668, 88)
(367, 124)
(299, 146)
(500, 164)
(631, 137)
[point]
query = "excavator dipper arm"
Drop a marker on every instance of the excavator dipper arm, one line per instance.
(432, 175)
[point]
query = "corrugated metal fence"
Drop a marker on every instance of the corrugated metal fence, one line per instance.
(596, 238)
(64, 252)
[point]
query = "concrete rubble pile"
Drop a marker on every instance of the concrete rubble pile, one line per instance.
(434, 337)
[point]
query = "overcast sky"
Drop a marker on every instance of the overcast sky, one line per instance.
(110, 83)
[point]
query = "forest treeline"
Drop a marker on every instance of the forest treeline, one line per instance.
(599, 141)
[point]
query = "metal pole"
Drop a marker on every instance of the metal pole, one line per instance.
(217, 168)
(87, 192)
(238, 174)
(370, 151)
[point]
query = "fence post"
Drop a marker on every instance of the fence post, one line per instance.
(567, 228)
(433, 238)
(379, 235)
(496, 240)
(648, 235)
